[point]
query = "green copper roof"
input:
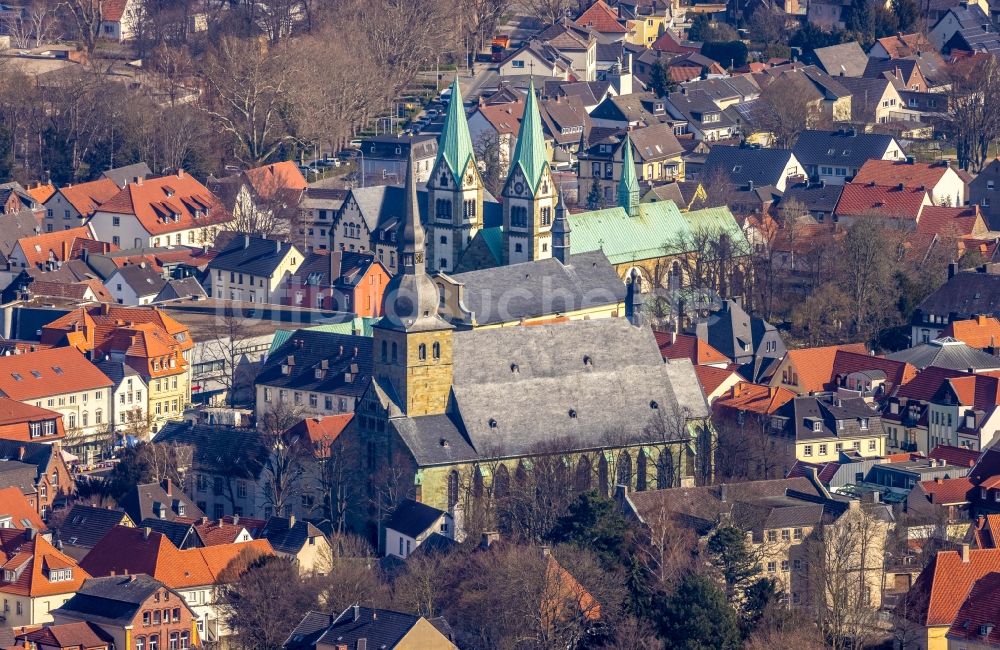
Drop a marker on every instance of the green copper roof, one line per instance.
(530, 150)
(628, 186)
(455, 145)
(655, 231)
(362, 324)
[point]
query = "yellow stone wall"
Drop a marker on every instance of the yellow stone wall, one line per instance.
(422, 384)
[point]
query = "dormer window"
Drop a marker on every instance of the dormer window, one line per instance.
(864, 424)
(817, 426)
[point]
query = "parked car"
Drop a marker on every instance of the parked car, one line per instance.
(355, 144)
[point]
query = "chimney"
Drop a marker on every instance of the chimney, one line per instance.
(981, 319)
(20, 453)
(357, 612)
(546, 550)
(236, 519)
(277, 246)
(168, 487)
(180, 172)
(737, 389)
(362, 644)
(291, 521)
(952, 269)
(145, 532)
(723, 493)
(246, 241)
(336, 264)
(965, 553)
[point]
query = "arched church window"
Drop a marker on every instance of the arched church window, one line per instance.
(422, 352)
(452, 489)
(384, 351)
(436, 350)
(442, 209)
(394, 352)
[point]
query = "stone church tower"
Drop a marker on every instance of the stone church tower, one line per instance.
(529, 195)
(454, 191)
(412, 343)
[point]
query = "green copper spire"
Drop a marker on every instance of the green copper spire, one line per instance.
(628, 186)
(530, 150)
(455, 145)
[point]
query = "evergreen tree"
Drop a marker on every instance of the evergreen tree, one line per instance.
(594, 198)
(660, 81)
(594, 523)
(699, 28)
(907, 14)
(697, 617)
(760, 597)
(730, 552)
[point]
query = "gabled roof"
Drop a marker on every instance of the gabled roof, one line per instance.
(85, 197)
(144, 280)
(976, 620)
(83, 635)
(688, 346)
(288, 535)
(323, 362)
(843, 148)
(257, 256)
(601, 18)
(113, 600)
(23, 515)
(711, 378)
(227, 451)
(815, 365)
(412, 518)
(742, 165)
(32, 561)
(168, 204)
(957, 456)
(967, 293)
(896, 372)
(902, 45)
(48, 372)
(893, 172)
(754, 398)
(56, 245)
(380, 627)
(99, 324)
(937, 596)
(847, 59)
(948, 491)
(889, 202)
(151, 501)
(84, 525)
(276, 179)
(979, 332)
(926, 383)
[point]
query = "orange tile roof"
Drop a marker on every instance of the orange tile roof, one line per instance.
(98, 324)
(890, 202)
(903, 45)
(892, 172)
(85, 197)
(113, 10)
(42, 193)
(979, 332)
(505, 118)
(986, 530)
(149, 346)
(34, 558)
(561, 589)
(133, 550)
(56, 245)
(953, 222)
(602, 18)
(711, 377)
(168, 204)
(54, 371)
(278, 177)
(755, 398)
(687, 346)
(943, 585)
(948, 490)
(979, 390)
(981, 607)
(15, 505)
(814, 366)
(321, 431)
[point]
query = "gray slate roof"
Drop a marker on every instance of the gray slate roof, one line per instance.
(288, 539)
(814, 197)
(965, 295)
(223, 450)
(803, 412)
(253, 255)
(381, 628)
(947, 352)
(151, 501)
(85, 526)
(540, 288)
(745, 164)
(382, 206)
(14, 227)
(179, 533)
(412, 518)
(308, 631)
(113, 600)
(335, 355)
(117, 371)
(182, 288)
(580, 383)
(847, 59)
(127, 174)
(840, 148)
(143, 279)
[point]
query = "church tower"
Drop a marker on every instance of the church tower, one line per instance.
(454, 190)
(412, 342)
(628, 184)
(560, 235)
(529, 195)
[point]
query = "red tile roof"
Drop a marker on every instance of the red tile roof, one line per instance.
(667, 42)
(903, 45)
(958, 456)
(56, 245)
(42, 193)
(688, 346)
(948, 490)
(136, 551)
(82, 290)
(505, 118)
(55, 371)
(34, 558)
(79, 636)
(213, 533)
(979, 332)
(814, 366)
(321, 432)
(985, 531)
(754, 398)
(951, 222)
(15, 505)
(113, 10)
(927, 382)
(864, 200)
(85, 197)
(896, 372)
(711, 378)
(981, 390)
(944, 584)
(892, 172)
(980, 608)
(601, 18)
(168, 204)
(93, 327)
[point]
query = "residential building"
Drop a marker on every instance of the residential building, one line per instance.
(601, 18)
(818, 200)
(49, 479)
(341, 280)
(751, 165)
(410, 525)
(37, 578)
(129, 404)
(163, 501)
(974, 628)
(21, 422)
(900, 206)
(984, 191)
(810, 370)
(874, 100)
(963, 296)
(147, 340)
(84, 526)
(750, 342)
(251, 269)
(824, 426)
(71, 206)
(174, 209)
(64, 381)
(191, 576)
(386, 157)
(965, 27)
(136, 611)
(17, 511)
(317, 210)
(299, 540)
(122, 176)
(701, 116)
(655, 155)
(844, 60)
(577, 44)
(120, 19)
(837, 156)
(944, 186)
(357, 625)
(135, 284)
(262, 196)
(68, 636)
(900, 46)
(48, 250)
(316, 373)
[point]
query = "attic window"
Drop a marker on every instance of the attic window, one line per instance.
(57, 370)
(831, 152)
(654, 405)
(492, 423)
(587, 361)
(514, 368)
(572, 413)
(817, 426)
(737, 169)
(36, 374)
(17, 376)
(38, 249)
(846, 152)
(169, 191)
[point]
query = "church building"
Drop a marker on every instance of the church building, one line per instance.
(450, 413)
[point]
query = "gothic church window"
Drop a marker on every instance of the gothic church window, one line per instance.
(422, 352)
(436, 350)
(443, 209)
